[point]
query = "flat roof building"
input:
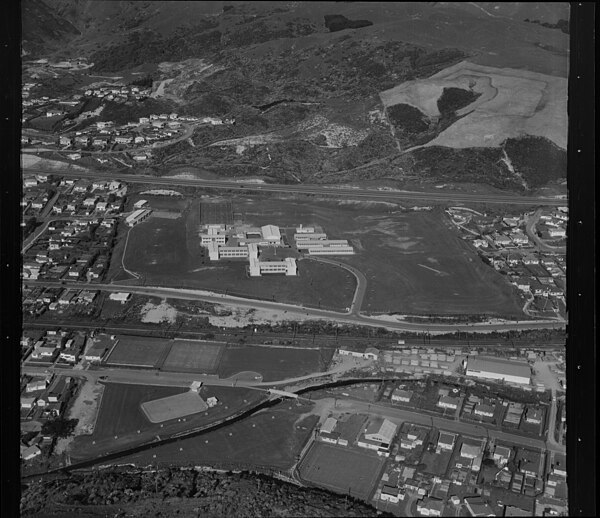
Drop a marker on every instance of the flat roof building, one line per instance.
(499, 369)
(258, 268)
(137, 217)
(271, 233)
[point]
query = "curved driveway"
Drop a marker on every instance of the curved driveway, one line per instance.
(361, 282)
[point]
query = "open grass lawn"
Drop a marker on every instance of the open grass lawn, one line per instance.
(274, 363)
(437, 463)
(193, 356)
(342, 469)
(139, 351)
(120, 415)
(157, 250)
(272, 437)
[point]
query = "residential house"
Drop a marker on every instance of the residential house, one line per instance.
(430, 507)
(446, 441)
(390, 494)
(402, 396)
(448, 402)
(477, 506)
(502, 455)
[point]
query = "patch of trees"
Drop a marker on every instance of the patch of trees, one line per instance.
(453, 99)
(562, 25)
(338, 22)
(59, 427)
(538, 159)
(212, 494)
(408, 118)
(263, 31)
(149, 47)
(468, 165)
(143, 82)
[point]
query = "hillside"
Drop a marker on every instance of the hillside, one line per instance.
(115, 492)
(330, 91)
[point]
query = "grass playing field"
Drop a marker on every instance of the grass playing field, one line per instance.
(274, 363)
(121, 415)
(193, 356)
(138, 351)
(342, 469)
(273, 437)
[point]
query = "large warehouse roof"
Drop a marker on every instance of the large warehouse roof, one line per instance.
(499, 366)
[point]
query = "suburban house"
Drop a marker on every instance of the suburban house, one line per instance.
(402, 396)
(449, 402)
(430, 507)
(446, 442)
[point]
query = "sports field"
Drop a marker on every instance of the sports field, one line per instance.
(274, 363)
(271, 438)
(121, 415)
(138, 351)
(342, 469)
(193, 356)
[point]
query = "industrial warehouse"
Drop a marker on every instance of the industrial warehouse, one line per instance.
(245, 242)
(498, 369)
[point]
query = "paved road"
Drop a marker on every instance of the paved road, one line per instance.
(369, 194)
(361, 282)
(346, 318)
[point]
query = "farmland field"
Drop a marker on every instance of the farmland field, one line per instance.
(138, 351)
(187, 355)
(334, 467)
(158, 251)
(272, 437)
(121, 415)
(274, 363)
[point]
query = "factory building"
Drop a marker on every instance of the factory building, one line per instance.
(258, 268)
(499, 369)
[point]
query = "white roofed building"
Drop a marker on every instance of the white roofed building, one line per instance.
(499, 369)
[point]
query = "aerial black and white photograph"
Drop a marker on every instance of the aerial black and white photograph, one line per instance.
(293, 259)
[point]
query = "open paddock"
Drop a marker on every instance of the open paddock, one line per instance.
(193, 356)
(342, 469)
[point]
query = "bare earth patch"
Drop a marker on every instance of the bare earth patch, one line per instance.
(156, 314)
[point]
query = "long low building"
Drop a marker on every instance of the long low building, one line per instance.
(330, 250)
(499, 369)
(310, 243)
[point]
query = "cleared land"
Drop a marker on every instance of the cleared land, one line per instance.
(273, 437)
(193, 356)
(335, 467)
(274, 363)
(138, 351)
(173, 407)
(513, 102)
